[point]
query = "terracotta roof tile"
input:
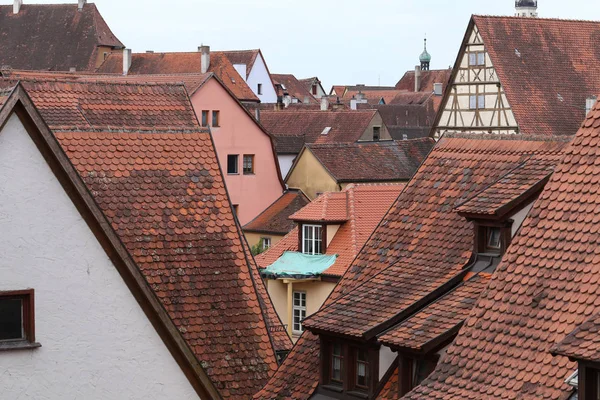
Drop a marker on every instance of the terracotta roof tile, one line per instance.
(346, 126)
(443, 317)
(328, 207)
(373, 96)
(165, 197)
(583, 343)
(275, 219)
(379, 161)
(293, 87)
(390, 388)
(545, 287)
(544, 68)
(246, 57)
(181, 64)
(428, 78)
(53, 37)
(418, 246)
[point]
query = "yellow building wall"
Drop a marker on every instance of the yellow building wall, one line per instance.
(316, 294)
(310, 176)
(253, 238)
(384, 134)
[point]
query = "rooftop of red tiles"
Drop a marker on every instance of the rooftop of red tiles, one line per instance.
(275, 219)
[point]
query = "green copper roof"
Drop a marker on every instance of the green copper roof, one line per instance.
(425, 56)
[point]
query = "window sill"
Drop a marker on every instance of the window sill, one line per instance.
(233, 173)
(18, 345)
(333, 388)
(249, 173)
(359, 395)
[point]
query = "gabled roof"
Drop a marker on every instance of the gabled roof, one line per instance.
(346, 126)
(70, 104)
(309, 82)
(428, 78)
(386, 161)
(437, 322)
(583, 343)
(179, 64)
(546, 286)
(544, 66)
(53, 37)
(246, 57)
(275, 219)
(328, 207)
(293, 87)
(421, 246)
(164, 199)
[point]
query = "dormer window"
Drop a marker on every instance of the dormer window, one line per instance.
(362, 369)
(337, 360)
(312, 239)
(493, 239)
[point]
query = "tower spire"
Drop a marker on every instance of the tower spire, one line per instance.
(425, 57)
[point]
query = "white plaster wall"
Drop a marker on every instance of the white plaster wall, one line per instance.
(386, 358)
(260, 74)
(519, 218)
(331, 231)
(285, 163)
(241, 69)
(96, 341)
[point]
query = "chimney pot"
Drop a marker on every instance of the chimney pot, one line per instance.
(17, 6)
(590, 102)
(324, 103)
(72, 70)
(80, 4)
(204, 58)
(438, 89)
(257, 113)
(126, 61)
(353, 103)
(417, 78)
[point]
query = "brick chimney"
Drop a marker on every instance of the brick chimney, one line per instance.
(80, 4)
(126, 61)
(417, 78)
(204, 58)
(17, 6)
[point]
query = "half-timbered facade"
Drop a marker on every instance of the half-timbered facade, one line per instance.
(509, 78)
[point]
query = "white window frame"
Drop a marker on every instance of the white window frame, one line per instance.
(265, 242)
(298, 311)
(312, 238)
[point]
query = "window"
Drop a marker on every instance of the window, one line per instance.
(235, 208)
(259, 87)
(376, 133)
(493, 238)
(232, 164)
(472, 58)
(312, 239)
(265, 242)
(299, 311)
(16, 318)
(337, 360)
(590, 385)
(205, 118)
(362, 369)
(477, 58)
(314, 90)
(215, 118)
(480, 58)
(248, 164)
(476, 101)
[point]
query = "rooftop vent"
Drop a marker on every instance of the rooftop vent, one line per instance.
(438, 89)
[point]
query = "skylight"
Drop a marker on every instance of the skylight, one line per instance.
(326, 130)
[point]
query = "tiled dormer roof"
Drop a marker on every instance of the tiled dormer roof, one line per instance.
(53, 37)
(385, 161)
(328, 207)
(545, 287)
(583, 343)
(546, 69)
(275, 219)
(181, 63)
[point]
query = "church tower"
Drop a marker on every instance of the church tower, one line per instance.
(526, 8)
(425, 58)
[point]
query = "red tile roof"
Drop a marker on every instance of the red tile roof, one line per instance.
(546, 286)
(275, 219)
(246, 57)
(165, 197)
(293, 87)
(53, 37)
(328, 207)
(93, 105)
(583, 343)
(428, 78)
(544, 68)
(419, 245)
(366, 205)
(439, 320)
(390, 388)
(373, 96)
(181, 64)
(379, 161)
(308, 126)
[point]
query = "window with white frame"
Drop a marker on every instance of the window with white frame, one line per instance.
(265, 242)
(299, 311)
(477, 102)
(312, 239)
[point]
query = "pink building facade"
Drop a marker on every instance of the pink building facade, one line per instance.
(245, 151)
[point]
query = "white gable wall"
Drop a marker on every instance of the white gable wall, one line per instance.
(96, 341)
(260, 74)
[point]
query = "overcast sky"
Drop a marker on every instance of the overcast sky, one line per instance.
(340, 41)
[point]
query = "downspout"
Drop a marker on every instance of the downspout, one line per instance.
(290, 299)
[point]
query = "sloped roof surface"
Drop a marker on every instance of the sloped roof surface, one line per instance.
(294, 87)
(95, 105)
(329, 207)
(583, 343)
(373, 96)
(165, 197)
(346, 126)
(544, 66)
(246, 57)
(437, 319)
(428, 78)
(178, 64)
(373, 161)
(275, 219)
(418, 245)
(546, 286)
(53, 36)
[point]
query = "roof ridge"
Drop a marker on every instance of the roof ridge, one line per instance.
(352, 217)
(93, 81)
(534, 18)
